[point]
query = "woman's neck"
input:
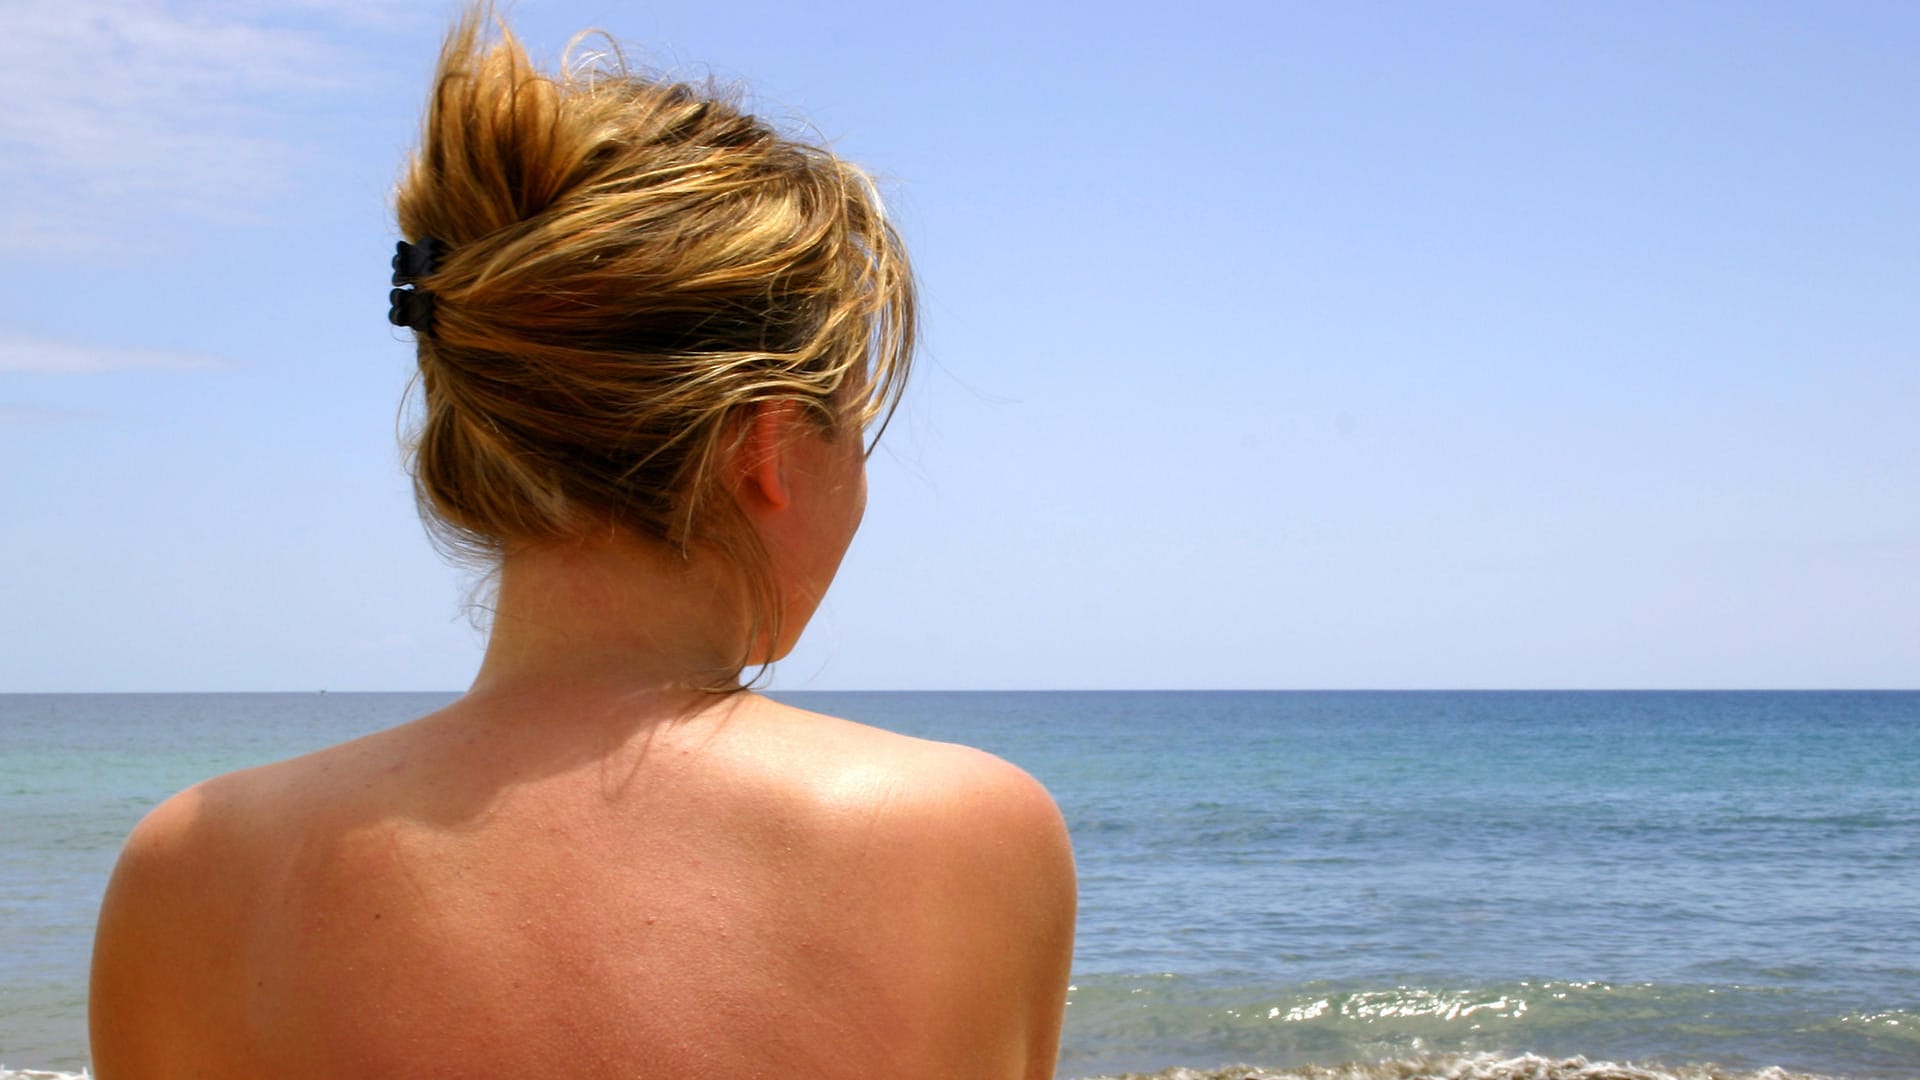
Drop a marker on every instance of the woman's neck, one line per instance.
(616, 612)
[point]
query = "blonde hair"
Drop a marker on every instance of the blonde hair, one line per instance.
(631, 263)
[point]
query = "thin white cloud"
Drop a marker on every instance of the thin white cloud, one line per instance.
(24, 415)
(116, 108)
(20, 354)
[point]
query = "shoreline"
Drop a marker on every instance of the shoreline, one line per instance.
(1481, 1066)
(1459, 1066)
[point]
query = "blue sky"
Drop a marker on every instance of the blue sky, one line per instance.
(1269, 345)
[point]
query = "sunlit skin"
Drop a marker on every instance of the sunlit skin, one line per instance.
(583, 867)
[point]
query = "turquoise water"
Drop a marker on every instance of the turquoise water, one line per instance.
(1274, 878)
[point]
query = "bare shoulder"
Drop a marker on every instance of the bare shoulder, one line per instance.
(930, 790)
(180, 852)
(989, 806)
(962, 861)
(951, 824)
(172, 948)
(168, 833)
(162, 941)
(201, 836)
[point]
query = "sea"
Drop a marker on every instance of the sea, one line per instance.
(1590, 885)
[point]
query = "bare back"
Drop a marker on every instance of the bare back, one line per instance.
(749, 890)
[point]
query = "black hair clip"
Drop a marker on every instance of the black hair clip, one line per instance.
(409, 304)
(412, 261)
(411, 308)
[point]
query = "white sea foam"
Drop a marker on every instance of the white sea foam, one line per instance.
(1474, 1067)
(42, 1074)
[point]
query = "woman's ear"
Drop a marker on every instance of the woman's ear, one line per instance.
(760, 466)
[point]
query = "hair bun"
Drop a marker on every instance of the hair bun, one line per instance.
(638, 262)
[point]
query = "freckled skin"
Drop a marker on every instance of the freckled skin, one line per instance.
(578, 870)
(821, 920)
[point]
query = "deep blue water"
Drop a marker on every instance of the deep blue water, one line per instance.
(1277, 878)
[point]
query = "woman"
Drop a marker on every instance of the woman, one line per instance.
(651, 333)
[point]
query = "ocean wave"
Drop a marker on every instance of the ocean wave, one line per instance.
(41, 1074)
(1129, 1025)
(1473, 1067)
